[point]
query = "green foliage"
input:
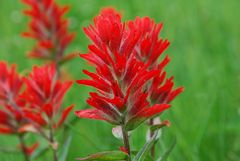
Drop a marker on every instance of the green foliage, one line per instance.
(205, 58)
(168, 152)
(105, 156)
(65, 149)
(141, 155)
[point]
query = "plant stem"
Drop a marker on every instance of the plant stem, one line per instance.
(58, 71)
(151, 134)
(126, 142)
(23, 147)
(52, 141)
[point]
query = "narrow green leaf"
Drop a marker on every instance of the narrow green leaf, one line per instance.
(141, 155)
(65, 149)
(39, 152)
(147, 158)
(105, 156)
(166, 154)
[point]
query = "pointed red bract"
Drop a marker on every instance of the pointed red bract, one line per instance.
(64, 115)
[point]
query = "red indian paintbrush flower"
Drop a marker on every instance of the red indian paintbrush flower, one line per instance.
(12, 119)
(121, 78)
(10, 85)
(49, 29)
(44, 94)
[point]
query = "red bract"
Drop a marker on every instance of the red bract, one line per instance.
(149, 46)
(148, 50)
(49, 29)
(44, 94)
(121, 78)
(10, 104)
(109, 33)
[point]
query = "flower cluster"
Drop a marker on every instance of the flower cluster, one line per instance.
(33, 103)
(49, 29)
(131, 84)
(44, 94)
(11, 84)
(130, 81)
(12, 119)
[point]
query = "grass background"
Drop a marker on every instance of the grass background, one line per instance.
(205, 52)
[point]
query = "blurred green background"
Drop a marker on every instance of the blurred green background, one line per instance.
(205, 53)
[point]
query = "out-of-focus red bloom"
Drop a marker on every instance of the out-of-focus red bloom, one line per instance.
(12, 107)
(122, 79)
(49, 29)
(44, 94)
(10, 104)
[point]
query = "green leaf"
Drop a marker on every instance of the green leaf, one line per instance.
(105, 156)
(65, 148)
(147, 158)
(166, 154)
(141, 155)
(39, 152)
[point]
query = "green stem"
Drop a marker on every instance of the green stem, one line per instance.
(52, 141)
(23, 147)
(126, 142)
(58, 70)
(151, 135)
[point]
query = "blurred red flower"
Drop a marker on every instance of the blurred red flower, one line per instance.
(49, 28)
(124, 80)
(11, 118)
(44, 95)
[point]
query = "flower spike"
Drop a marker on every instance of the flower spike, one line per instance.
(50, 30)
(125, 57)
(44, 94)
